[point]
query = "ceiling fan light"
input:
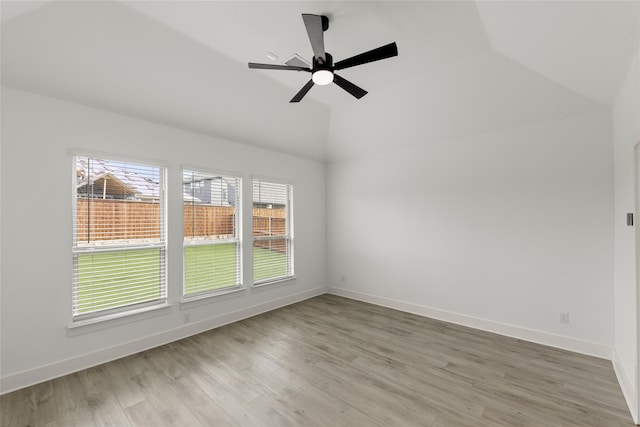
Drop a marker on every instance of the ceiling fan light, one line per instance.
(322, 77)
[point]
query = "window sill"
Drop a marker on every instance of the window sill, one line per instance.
(274, 281)
(115, 319)
(187, 302)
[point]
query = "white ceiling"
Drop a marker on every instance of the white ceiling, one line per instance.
(586, 46)
(463, 67)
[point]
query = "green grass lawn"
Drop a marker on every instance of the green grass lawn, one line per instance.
(208, 267)
(111, 279)
(268, 264)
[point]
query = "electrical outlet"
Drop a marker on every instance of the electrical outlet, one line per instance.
(187, 317)
(564, 318)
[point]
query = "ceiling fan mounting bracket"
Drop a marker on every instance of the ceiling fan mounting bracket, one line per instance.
(325, 63)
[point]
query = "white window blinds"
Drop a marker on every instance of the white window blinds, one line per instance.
(119, 236)
(272, 231)
(211, 219)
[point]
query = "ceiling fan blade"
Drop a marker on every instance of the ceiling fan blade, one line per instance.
(302, 92)
(382, 52)
(345, 84)
(277, 67)
(315, 29)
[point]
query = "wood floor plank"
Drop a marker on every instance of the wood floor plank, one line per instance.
(378, 404)
(185, 357)
(127, 391)
(205, 409)
(274, 413)
(159, 391)
(41, 408)
(241, 412)
(101, 400)
(143, 414)
(73, 409)
(233, 380)
(12, 408)
(333, 361)
(349, 414)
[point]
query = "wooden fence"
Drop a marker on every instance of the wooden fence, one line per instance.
(270, 222)
(105, 219)
(205, 220)
(110, 219)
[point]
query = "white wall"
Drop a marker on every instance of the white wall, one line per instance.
(503, 230)
(626, 131)
(37, 134)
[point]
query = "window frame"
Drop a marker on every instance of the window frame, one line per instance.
(126, 309)
(289, 232)
(238, 240)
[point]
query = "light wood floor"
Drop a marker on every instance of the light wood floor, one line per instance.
(331, 361)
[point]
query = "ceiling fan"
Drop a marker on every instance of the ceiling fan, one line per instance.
(323, 69)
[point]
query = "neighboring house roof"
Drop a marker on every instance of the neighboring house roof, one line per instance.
(132, 182)
(121, 180)
(129, 182)
(106, 184)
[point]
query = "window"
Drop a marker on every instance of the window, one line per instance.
(272, 231)
(119, 237)
(211, 219)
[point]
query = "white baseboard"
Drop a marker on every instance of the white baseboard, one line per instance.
(628, 389)
(57, 369)
(566, 343)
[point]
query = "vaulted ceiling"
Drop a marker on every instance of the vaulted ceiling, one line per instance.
(463, 67)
